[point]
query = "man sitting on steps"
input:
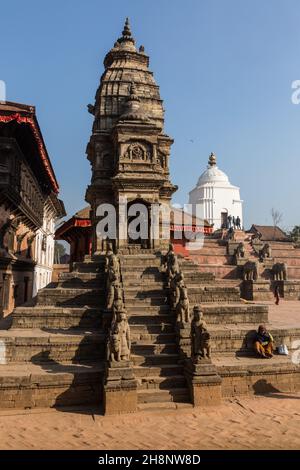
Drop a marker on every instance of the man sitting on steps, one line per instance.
(264, 343)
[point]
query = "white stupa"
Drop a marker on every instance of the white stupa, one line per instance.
(216, 197)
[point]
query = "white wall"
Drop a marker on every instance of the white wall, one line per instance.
(215, 199)
(44, 259)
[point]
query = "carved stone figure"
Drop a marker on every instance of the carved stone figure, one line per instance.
(250, 271)
(183, 306)
(118, 304)
(112, 269)
(257, 236)
(119, 343)
(279, 272)
(176, 282)
(265, 252)
(201, 346)
(171, 262)
(240, 251)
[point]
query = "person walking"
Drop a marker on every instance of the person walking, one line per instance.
(277, 295)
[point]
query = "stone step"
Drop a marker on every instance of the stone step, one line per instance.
(220, 271)
(145, 319)
(161, 383)
(127, 258)
(140, 270)
(154, 359)
(157, 290)
(159, 297)
(151, 330)
(134, 305)
(158, 407)
(163, 370)
(157, 395)
(77, 283)
(88, 267)
(56, 317)
(50, 385)
(215, 260)
(144, 349)
(70, 297)
(40, 346)
(134, 309)
(84, 277)
(139, 336)
(252, 375)
(142, 282)
(235, 313)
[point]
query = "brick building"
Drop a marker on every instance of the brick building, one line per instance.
(28, 202)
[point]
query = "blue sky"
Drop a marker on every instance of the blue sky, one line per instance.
(225, 69)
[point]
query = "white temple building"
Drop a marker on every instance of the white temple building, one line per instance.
(216, 197)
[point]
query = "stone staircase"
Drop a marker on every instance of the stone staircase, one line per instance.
(155, 354)
(53, 355)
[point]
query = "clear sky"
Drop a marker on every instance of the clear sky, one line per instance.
(225, 69)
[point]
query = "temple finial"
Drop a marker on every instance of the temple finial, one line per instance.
(126, 34)
(126, 31)
(212, 161)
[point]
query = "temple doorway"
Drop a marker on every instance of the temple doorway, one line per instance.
(138, 223)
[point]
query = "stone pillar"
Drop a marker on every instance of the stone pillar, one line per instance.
(204, 383)
(120, 389)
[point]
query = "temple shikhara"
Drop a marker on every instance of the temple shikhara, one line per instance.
(138, 322)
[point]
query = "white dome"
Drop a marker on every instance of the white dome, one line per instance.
(214, 197)
(213, 175)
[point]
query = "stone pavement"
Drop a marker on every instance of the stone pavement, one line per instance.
(250, 423)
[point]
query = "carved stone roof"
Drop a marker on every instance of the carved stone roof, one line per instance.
(124, 65)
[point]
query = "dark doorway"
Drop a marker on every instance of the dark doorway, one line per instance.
(138, 223)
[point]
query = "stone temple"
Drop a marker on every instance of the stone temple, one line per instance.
(124, 329)
(216, 197)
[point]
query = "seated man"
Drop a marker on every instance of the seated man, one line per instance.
(264, 343)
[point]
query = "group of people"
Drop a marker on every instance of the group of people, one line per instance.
(232, 223)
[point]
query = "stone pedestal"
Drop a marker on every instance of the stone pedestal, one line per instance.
(204, 383)
(183, 335)
(120, 389)
(289, 290)
(258, 290)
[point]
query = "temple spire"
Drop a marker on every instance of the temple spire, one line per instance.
(126, 33)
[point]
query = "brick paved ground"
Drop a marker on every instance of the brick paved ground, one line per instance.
(252, 423)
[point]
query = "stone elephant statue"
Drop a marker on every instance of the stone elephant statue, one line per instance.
(250, 271)
(279, 272)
